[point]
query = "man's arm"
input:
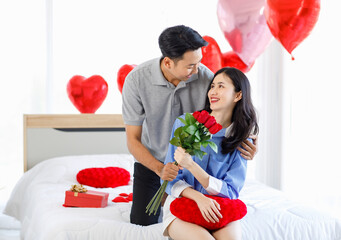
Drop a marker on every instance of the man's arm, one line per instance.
(142, 155)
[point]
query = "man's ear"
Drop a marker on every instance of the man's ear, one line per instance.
(167, 62)
(239, 95)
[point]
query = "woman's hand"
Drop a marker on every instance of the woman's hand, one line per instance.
(183, 159)
(209, 208)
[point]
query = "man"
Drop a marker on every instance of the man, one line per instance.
(154, 94)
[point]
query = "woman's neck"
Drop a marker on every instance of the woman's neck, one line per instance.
(223, 118)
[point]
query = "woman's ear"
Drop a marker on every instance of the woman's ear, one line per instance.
(239, 95)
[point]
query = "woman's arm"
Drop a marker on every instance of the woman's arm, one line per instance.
(185, 160)
(228, 185)
(209, 208)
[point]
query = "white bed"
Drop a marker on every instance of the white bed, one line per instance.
(38, 197)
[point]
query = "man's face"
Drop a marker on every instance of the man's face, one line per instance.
(187, 66)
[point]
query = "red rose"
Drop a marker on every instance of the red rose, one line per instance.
(210, 122)
(204, 115)
(215, 128)
(196, 115)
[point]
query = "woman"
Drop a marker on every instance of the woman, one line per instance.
(221, 174)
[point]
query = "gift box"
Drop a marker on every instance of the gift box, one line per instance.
(89, 199)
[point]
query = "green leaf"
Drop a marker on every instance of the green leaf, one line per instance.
(205, 144)
(182, 120)
(177, 132)
(213, 146)
(191, 129)
(199, 154)
(190, 119)
(206, 137)
(186, 145)
(175, 141)
(197, 135)
(190, 152)
(196, 145)
(182, 137)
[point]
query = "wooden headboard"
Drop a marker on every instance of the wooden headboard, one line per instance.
(54, 135)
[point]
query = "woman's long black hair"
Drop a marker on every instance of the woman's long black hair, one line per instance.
(244, 117)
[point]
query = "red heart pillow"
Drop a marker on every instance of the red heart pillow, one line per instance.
(187, 210)
(104, 177)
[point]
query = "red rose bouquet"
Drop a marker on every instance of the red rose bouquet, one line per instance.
(197, 132)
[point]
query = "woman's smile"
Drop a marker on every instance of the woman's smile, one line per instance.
(214, 99)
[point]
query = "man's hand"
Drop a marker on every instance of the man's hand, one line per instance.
(169, 172)
(248, 149)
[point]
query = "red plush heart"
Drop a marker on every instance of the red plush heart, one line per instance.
(187, 210)
(104, 177)
(87, 94)
(122, 73)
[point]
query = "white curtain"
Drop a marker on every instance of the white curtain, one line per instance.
(312, 113)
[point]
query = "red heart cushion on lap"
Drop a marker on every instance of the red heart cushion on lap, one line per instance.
(187, 210)
(104, 177)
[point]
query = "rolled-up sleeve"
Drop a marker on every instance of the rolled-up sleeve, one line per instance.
(214, 186)
(178, 187)
(233, 180)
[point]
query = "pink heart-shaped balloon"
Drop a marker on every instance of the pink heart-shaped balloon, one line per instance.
(87, 94)
(244, 26)
(291, 21)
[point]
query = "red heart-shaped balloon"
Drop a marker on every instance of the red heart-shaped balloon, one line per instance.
(211, 54)
(231, 59)
(122, 73)
(291, 21)
(87, 94)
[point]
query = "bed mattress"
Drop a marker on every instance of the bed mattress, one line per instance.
(37, 202)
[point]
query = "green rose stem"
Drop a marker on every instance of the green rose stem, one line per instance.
(154, 204)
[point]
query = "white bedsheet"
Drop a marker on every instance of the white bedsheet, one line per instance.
(38, 197)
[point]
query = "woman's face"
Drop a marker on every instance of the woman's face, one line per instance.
(222, 95)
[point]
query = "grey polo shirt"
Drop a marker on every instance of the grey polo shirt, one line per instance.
(153, 102)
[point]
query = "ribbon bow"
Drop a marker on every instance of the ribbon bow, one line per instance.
(78, 188)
